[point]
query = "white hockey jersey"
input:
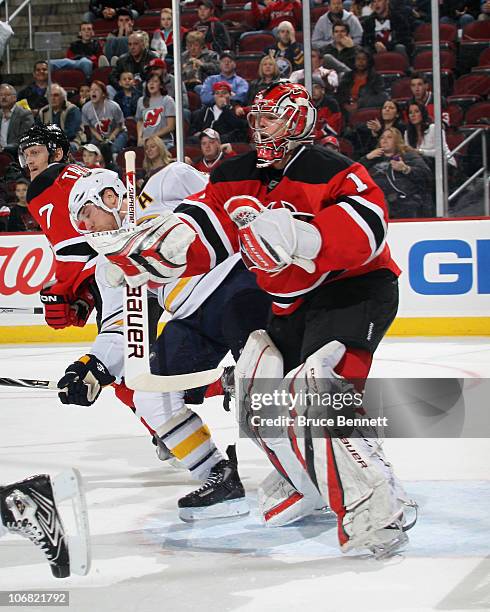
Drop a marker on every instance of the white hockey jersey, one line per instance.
(164, 190)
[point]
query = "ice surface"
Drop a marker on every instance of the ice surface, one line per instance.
(145, 559)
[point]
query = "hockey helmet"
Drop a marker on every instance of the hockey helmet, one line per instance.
(89, 189)
(50, 136)
(282, 117)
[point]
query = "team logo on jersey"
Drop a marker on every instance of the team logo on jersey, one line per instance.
(282, 204)
(103, 126)
(152, 117)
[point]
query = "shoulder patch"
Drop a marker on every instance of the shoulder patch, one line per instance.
(44, 180)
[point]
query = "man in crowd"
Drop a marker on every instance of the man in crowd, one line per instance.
(83, 53)
(342, 48)
(239, 86)
(64, 114)
(35, 92)
(389, 27)
(421, 93)
(108, 9)
(213, 152)
(135, 61)
(215, 33)
(117, 41)
(323, 31)
(14, 120)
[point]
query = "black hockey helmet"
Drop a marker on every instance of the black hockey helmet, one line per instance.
(50, 136)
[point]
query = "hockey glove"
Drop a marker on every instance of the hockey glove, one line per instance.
(273, 238)
(83, 381)
(60, 312)
(154, 251)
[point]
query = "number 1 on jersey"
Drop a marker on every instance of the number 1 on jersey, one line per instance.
(360, 186)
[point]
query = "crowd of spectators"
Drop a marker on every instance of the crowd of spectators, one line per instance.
(126, 96)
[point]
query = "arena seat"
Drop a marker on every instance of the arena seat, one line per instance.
(255, 42)
(69, 78)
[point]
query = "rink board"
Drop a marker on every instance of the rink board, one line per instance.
(444, 285)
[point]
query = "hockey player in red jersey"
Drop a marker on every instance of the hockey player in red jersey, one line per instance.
(312, 226)
(44, 151)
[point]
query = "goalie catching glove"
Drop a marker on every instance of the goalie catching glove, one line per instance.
(154, 251)
(83, 381)
(273, 238)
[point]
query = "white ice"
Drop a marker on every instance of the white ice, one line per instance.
(145, 559)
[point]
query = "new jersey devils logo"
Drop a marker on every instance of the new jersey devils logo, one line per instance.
(152, 117)
(103, 126)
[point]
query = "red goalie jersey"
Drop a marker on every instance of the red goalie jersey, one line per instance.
(335, 194)
(47, 199)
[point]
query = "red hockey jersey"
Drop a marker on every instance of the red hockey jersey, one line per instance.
(275, 12)
(337, 195)
(47, 201)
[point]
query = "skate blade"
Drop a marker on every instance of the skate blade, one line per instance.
(387, 550)
(234, 507)
(69, 485)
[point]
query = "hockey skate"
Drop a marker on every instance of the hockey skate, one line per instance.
(29, 508)
(221, 496)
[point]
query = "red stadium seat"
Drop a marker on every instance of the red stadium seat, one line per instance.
(478, 31)
(241, 147)
(192, 151)
(148, 23)
(247, 68)
(244, 19)
(317, 12)
(69, 78)
(140, 155)
(401, 90)
(423, 61)
(157, 5)
(5, 161)
(456, 115)
(483, 62)
(188, 18)
(194, 100)
(448, 34)
(132, 131)
(101, 74)
(470, 88)
(390, 61)
(255, 42)
(102, 27)
(480, 110)
(363, 115)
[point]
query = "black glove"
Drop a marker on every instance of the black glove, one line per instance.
(83, 381)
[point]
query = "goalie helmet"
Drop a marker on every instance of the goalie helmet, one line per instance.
(282, 117)
(50, 136)
(88, 190)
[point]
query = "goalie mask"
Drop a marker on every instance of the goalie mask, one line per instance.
(282, 117)
(90, 190)
(50, 136)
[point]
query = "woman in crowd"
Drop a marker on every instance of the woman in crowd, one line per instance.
(367, 135)
(286, 46)
(156, 158)
(198, 62)
(420, 134)
(363, 87)
(162, 41)
(155, 112)
(105, 121)
(268, 72)
(403, 176)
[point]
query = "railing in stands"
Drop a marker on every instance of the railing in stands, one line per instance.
(483, 170)
(9, 18)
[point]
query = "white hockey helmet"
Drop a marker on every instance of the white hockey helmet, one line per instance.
(88, 190)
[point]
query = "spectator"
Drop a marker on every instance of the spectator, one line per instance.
(91, 156)
(342, 48)
(198, 62)
(127, 97)
(14, 120)
(155, 113)
(484, 14)
(213, 152)
(20, 219)
(367, 135)
(83, 53)
(221, 116)
(459, 12)
(328, 117)
(420, 134)
(268, 72)
(330, 142)
(286, 46)
(107, 9)
(64, 114)
(323, 31)
(83, 95)
(403, 176)
(319, 70)
(117, 41)
(156, 158)
(35, 92)
(162, 41)
(239, 86)
(421, 93)
(389, 27)
(160, 68)
(215, 33)
(135, 61)
(275, 12)
(105, 121)
(363, 86)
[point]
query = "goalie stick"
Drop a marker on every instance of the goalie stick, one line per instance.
(136, 339)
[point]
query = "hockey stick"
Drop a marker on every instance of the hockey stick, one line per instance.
(12, 310)
(51, 385)
(136, 343)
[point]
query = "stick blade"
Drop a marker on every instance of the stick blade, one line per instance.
(178, 382)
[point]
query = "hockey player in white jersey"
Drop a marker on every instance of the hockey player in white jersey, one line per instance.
(210, 315)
